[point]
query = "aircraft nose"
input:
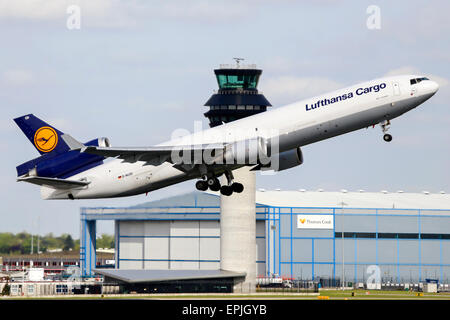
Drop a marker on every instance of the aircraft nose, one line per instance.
(434, 86)
(429, 86)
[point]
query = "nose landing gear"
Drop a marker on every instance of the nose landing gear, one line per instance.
(387, 137)
(385, 125)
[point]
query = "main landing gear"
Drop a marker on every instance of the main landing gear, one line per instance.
(385, 127)
(214, 185)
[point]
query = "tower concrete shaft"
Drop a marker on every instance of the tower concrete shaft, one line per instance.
(238, 230)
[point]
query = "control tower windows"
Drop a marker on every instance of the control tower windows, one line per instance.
(237, 81)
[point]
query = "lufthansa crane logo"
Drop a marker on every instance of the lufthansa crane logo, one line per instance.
(45, 139)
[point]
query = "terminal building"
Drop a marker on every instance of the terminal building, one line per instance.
(307, 235)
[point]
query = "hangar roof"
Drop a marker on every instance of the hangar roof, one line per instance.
(194, 199)
(360, 199)
(205, 205)
(304, 198)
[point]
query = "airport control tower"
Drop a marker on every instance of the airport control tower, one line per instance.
(237, 98)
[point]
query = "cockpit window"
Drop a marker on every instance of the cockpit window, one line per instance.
(417, 80)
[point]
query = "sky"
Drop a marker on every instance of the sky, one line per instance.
(135, 71)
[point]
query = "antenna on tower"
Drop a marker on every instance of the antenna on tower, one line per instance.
(238, 60)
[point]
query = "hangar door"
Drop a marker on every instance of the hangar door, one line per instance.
(176, 244)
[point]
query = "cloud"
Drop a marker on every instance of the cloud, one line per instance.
(49, 9)
(141, 103)
(412, 70)
(432, 20)
(17, 77)
(130, 13)
(203, 10)
(122, 13)
(63, 124)
(32, 9)
(290, 88)
(98, 13)
(402, 70)
(443, 82)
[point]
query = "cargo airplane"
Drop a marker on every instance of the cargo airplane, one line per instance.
(69, 169)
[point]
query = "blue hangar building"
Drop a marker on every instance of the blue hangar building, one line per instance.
(308, 235)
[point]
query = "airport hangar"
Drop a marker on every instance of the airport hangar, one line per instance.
(299, 235)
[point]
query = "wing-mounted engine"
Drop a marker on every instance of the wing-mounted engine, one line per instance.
(290, 159)
(247, 152)
(283, 160)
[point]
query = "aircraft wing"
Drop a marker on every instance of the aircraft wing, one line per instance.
(162, 153)
(54, 182)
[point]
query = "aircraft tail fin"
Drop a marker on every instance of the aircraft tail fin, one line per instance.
(60, 154)
(44, 137)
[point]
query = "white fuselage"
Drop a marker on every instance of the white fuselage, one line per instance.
(294, 125)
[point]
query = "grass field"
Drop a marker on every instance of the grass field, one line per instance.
(323, 294)
(380, 294)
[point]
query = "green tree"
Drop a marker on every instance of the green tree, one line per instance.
(49, 242)
(6, 290)
(105, 241)
(68, 243)
(6, 242)
(21, 242)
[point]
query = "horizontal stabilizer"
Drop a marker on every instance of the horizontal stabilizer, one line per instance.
(54, 182)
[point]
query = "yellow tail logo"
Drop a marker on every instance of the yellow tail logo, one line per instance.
(45, 139)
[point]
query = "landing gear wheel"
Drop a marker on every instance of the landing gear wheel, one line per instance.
(237, 187)
(213, 184)
(387, 137)
(201, 185)
(226, 190)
